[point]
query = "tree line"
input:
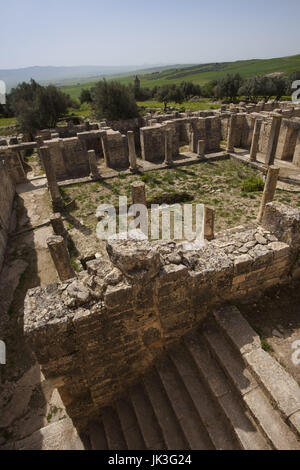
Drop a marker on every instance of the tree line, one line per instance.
(39, 107)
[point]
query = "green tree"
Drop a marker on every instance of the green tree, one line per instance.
(37, 107)
(168, 93)
(113, 101)
(85, 96)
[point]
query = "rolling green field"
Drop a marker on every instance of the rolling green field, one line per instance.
(202, 74)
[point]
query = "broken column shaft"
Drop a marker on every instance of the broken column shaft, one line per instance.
(255, 140)
(273, 139)
(93, 164)
(58, 225)
(209, 223)
(61, 257)
(269, 191)
(132, 152)
(201, 148)
(138, 192)
(168, 148)
(231, 133)
(56, 198)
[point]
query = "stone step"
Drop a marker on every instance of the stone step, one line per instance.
(97, 436)
(276, 382)
(237, 329)
(239, 420)
(147, 421)
(229, 359)
(277, 431)
(183, 406)
(130, 427)
(274, 428)
(172, 432)
(112, 427)
(212, 419)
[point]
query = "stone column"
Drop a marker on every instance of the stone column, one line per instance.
(138, 192)
(231, 133)
(56, 198)
(201, 148)
(93, 164)
(58, 225)
(269, 190)
(209, 223)
(193, 143)
(105, 149)
(273, 139)
(168, 148)
(132, 152)
(296, 158)
(255, 140)
(61, 257)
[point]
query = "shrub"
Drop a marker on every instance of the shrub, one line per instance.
(252, 184)
(113, 101)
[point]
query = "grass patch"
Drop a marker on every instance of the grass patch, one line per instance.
(252, 184)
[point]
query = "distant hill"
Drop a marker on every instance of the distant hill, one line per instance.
(69, 75)
(201, 74)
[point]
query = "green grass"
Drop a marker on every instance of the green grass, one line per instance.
(252, 184)
(201, 74)
(193, 106)
(8, 122)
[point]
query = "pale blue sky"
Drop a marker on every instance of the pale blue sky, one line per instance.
(138, 32)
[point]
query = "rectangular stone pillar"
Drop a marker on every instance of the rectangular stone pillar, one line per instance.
(201, 148)
(58, 225)
(255, 140)
(296, 158)
(56, 198)
(168, 148)
(269, 190)
(273, 139)
(105, 149)
(132, 151)
(93, 164)
(61, 257)
(138, 193)
(231, 133)
(193, 142)
(209, 223)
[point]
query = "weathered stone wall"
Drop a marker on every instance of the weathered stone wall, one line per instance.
(14, 163)
(7, 193)
(95, 335)
(207, 129)
(115, 150)
(65, 132)
(91, 140)
(69, 158)
(289, 131)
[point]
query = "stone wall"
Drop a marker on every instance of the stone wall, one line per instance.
(289, 132)
(95, 335)
(7, 193)
(153, 137)
(115, 150)
(69, 158)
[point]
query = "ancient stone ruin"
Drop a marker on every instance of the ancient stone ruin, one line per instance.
(145, 345)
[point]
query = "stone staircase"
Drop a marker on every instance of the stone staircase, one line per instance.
(216, 389)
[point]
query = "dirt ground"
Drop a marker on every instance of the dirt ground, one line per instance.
(217, 184)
